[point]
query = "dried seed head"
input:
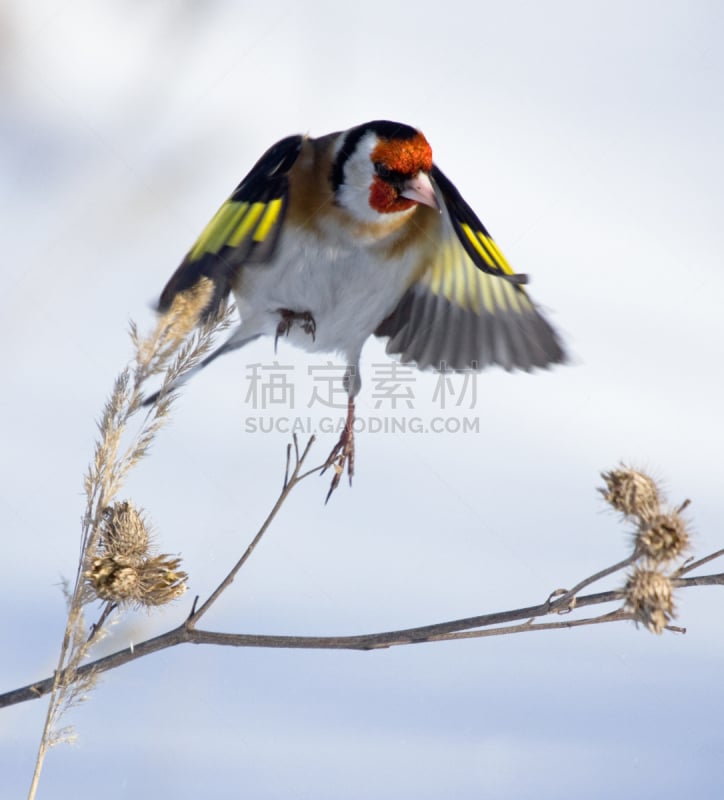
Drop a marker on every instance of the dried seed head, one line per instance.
(663, 538)
(649, 598)
(632, 492)
(161, 580)
(118, 583)
(150, 582)
(125, 571)
(124, 533)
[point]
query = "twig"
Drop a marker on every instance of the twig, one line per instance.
(442, 631)
(96, 628)
(691, 565)
(568, 597)
(290, 481)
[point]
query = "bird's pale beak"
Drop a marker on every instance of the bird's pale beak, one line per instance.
(421, 190)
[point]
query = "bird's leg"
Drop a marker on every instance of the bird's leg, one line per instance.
(343, 452)
(287, 318)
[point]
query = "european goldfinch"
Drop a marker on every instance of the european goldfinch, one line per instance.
(332, 240)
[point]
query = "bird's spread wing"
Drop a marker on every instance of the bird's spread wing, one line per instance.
(469, 309)
(244, 230)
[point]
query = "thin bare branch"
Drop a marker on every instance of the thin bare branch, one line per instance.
(441, 631)
(688, 566)
(290, 482)
(565, 600)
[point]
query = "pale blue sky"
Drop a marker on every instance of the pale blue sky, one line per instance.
(588, 137)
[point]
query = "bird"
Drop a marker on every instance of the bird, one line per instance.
(332, 240)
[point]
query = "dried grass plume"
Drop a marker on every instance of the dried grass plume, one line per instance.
(117, 564)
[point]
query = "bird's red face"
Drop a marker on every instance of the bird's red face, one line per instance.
(400, 180)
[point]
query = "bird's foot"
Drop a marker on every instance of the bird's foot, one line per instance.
(287, 320)
(342, 454)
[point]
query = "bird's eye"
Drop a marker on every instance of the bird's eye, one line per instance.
(382, 171)
(392, 176)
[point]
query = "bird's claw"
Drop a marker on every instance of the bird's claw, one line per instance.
(342, 455)
(287, 318)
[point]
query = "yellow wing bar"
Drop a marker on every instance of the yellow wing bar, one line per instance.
(454, 276)
(487, 249)
(236, 223)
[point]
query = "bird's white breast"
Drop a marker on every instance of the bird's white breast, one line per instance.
(348, 288)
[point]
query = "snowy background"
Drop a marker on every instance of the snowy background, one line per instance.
(588, 137)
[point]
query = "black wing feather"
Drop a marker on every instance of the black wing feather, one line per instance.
(245, 229)
(464, 221)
